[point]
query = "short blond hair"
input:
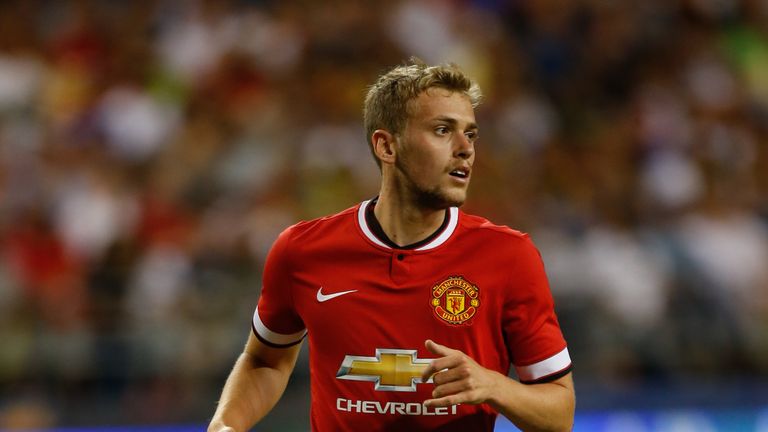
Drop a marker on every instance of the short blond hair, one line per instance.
(386, 104)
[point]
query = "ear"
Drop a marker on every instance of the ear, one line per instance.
(384, 146)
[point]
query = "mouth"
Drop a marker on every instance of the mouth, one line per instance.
(460, 173)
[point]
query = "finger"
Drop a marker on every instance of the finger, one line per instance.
(446, 376)
(436, 348)
(441, 364)
(437, 364)
(444, 401)
(451, 388)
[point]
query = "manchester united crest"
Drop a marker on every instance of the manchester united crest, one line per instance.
(455, 300)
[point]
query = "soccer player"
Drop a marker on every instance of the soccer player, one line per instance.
(414, 310)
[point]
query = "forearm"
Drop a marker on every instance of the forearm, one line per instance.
(251, 390)
(536, 407)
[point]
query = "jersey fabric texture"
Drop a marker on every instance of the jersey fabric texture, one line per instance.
(367, 308)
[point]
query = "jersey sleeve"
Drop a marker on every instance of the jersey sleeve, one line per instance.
(275, 321)
(534, 339)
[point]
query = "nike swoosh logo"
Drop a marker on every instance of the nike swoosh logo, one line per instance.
(324, 298)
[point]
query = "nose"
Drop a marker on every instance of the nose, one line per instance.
(464, 148)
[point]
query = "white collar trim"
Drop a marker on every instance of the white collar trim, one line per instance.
(453, 221)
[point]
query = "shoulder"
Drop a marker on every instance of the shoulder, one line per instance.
(330, 225)
(482, 226)
(503, 241)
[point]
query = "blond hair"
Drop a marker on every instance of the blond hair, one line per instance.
(386, 104)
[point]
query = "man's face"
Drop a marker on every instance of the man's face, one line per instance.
(436, 150)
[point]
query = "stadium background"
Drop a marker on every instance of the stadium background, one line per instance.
(150, 152)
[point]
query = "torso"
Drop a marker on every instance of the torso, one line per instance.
(367, 345)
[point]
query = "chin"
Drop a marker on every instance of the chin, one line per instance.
(456, 203)
(455, 200)
(441, 199)
(455, 197)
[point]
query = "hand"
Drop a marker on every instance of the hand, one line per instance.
(218, 427)
(458, 378)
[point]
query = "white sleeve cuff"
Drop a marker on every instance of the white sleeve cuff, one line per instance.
(547, 367)
(274, 338)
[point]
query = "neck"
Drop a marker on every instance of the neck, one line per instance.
(403, 221)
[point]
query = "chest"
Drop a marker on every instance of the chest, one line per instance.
(399, 298)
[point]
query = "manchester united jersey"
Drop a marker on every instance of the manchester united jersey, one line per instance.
(368, 307)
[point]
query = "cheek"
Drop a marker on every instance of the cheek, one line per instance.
(426, 164)
(422, 159)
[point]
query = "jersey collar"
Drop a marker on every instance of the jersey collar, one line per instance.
(437, 239)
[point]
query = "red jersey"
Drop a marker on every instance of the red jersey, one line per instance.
(368, 307)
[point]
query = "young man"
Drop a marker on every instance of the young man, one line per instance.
(414, 310)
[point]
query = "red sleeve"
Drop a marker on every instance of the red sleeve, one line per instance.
(275, 321)
(534, 340)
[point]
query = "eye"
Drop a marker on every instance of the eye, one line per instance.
(442, 130)
(471, 135)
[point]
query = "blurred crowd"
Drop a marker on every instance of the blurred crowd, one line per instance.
(151, 151)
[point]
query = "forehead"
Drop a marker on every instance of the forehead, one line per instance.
(439, 102)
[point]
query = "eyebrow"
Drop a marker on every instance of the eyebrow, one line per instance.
(453, 122)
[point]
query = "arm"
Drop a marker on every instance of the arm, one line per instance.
(254, 386)
(531, 407)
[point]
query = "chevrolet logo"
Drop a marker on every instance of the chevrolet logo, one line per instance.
(390, 369)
